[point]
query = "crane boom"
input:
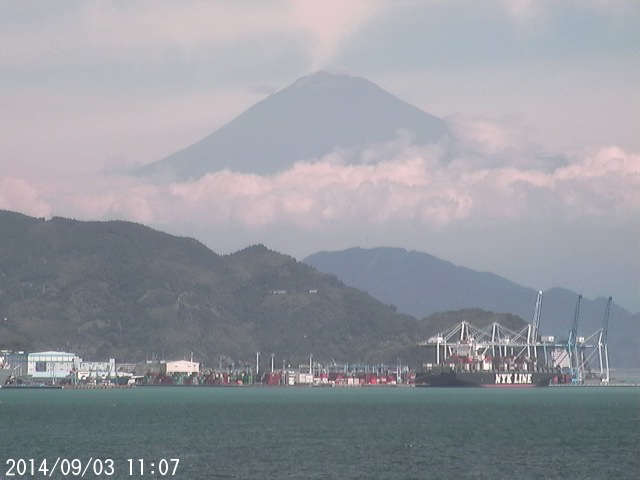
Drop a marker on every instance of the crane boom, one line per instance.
(572, 346)
(573, 334)
(536, 317)
(605, 321)
(533, 328)
(603, 350)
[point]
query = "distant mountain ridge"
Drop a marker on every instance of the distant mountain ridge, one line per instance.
(421, 285)
(311, 118)
(418, 283)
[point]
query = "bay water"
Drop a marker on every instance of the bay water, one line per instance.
(322, 433)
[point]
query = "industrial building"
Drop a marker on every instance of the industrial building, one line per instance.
(52, 365)
(94, 371)
(167, 368)
(182, 366)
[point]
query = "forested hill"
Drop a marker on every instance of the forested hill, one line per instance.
(104, 289)
(119, 289)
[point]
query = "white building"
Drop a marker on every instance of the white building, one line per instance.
(97, 370)
(182, 366)
(52, 365)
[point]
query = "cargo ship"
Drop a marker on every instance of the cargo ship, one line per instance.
(512, 379)
(467, 356)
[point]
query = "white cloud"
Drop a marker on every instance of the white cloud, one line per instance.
(478, 213)
(492, 138)
(124, 31)
(330, 23)
(411, 185)
(527, 13)
(20, 195)
(131, 82)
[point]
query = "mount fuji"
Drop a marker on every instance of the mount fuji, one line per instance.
(313, 117)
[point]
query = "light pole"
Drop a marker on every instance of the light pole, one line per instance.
(257, 364)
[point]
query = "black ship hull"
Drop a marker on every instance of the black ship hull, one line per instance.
(483, 379)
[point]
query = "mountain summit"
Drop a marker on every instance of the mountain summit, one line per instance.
(307, 120)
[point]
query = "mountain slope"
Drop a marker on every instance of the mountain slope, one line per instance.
(310, 118)
(101, 288)
(421, 285)
(104, 289)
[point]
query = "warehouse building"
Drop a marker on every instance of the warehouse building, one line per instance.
(182, 366)
(97, 370)
(167, 368)
(52, 365)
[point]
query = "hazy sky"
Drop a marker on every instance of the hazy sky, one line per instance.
(544, 95)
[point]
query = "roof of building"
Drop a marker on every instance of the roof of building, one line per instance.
(52, 354)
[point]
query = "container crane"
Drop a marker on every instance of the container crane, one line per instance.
(587, 348)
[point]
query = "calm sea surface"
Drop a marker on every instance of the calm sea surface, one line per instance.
(325, 433)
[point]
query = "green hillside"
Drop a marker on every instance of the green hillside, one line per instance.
(119, 289)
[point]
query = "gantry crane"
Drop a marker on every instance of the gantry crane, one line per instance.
(584, 349)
